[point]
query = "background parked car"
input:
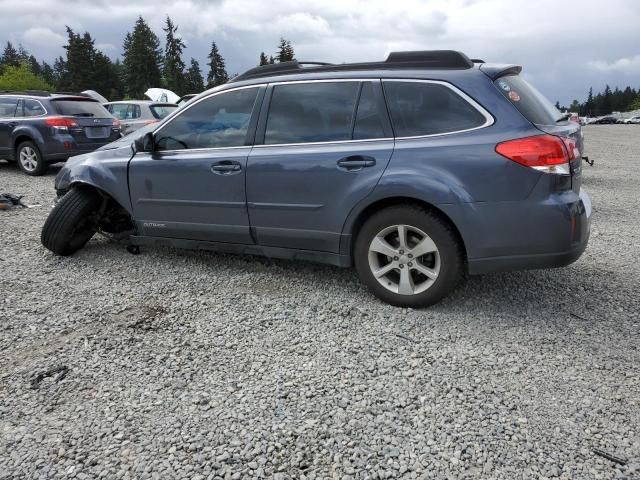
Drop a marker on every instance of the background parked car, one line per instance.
(608, 119)
(134, 114)
(634, 119)
(39, 128)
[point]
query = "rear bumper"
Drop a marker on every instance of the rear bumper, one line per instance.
(547, 234)
(62, 147)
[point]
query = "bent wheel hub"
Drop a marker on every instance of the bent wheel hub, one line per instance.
(404, 259)
(28, 159)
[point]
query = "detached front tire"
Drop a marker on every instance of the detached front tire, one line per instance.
(408, 256)
(72, 222)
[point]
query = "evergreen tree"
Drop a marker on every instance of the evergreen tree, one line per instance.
(142, 60)
(263, 59)
(59, 72)
(217, 70)
(106, 76)
(589, 107)
(272, 60)
(194, 83)
(48, 75)
(80, 63)
(285, 51)
(606, 106)
(173, 71)
(10, 56)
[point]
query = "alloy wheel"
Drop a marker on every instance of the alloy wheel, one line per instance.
(404, 259)
(28, 158)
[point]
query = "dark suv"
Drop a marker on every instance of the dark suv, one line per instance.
(417, 170)
(39, 128)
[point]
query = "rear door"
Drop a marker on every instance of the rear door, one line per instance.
(321, 147)
(8, 107)
(95, 123)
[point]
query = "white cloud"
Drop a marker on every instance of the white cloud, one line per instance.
(625, 65)
(42, 36)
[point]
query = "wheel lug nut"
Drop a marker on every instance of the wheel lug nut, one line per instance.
(410, 255)
(396, 258)
(401, 265)
(401, 252)
(410, 264)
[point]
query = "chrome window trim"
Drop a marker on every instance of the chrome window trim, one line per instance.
(489, 119)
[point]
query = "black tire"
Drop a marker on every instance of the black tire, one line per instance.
(71, 223)
(450, 250)
(41, 165)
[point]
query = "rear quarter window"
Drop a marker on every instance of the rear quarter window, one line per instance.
(530, 102)
(80, 108)
(161, 111)
(425, 108)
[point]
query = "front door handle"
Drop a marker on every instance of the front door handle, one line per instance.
(356, 162)
(226, 167)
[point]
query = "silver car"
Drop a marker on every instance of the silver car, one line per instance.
(134, 114)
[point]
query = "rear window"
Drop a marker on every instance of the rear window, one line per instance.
(530, 102)
(424, 108)
(80, 108)
(161, 111)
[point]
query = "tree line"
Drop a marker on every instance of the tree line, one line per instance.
(144, 64)
(605, 102)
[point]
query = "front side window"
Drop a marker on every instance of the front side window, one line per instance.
(8, 107)
(311, 112)
(219, 121)
(33, 108)
(421, 108)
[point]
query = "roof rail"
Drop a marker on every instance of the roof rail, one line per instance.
(75, 94)
(32, 93)
(426, 59)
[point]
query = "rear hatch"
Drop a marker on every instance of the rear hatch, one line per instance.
(536, 108)
(94, 123)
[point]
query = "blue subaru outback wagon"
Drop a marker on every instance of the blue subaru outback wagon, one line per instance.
(416, 170)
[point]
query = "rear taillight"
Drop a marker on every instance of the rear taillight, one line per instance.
(61, 123)
(545, 153)
(115, 124)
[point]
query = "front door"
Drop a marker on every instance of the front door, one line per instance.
(192, 186)
(324, 146)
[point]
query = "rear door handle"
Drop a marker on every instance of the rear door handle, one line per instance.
(356, 162)
(226, 167)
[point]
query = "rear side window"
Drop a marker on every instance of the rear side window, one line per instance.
(311, 112)
(80, 108)
(421, 108)
(369, 117)
(161, 111)
(219, 121)
(32, 108)
(530, 102)
(8, 107)
(119, 110)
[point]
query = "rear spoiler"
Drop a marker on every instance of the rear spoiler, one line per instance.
(496, 70)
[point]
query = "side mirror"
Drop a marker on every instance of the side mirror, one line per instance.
(146, 143)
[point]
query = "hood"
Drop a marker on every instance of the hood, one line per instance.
(161, 95)
(128, 139)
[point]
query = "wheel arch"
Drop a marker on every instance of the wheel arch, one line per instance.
(356, 221)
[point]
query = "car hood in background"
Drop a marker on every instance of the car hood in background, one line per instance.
(161, 95)
(96, 96)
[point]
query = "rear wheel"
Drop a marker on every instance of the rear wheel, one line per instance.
(408, 256)
(72, 222)
(30, 159)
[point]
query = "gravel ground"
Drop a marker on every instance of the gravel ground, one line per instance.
(180, 364)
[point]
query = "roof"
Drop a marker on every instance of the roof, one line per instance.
(426, 59)
(43, 94)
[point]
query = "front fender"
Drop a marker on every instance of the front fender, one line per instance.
(105, 170)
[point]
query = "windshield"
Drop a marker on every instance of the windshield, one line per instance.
(161, 111)
(529, 101)
(81, 108)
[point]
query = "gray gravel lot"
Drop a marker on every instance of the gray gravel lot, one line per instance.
(181, 364)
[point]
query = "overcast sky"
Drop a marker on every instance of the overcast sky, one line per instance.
(565, 46)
